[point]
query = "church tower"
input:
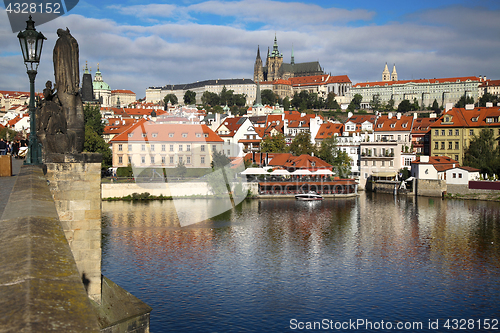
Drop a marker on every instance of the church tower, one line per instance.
(258, 70)
(274, 61)
(87, 91)
(386, 75)
(394, 75)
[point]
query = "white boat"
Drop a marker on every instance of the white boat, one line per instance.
(310, 196)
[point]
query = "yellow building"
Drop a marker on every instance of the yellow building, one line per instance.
(452, 132)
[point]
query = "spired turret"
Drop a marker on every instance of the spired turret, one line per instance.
(394, 74)
(258, 70)
(386, 75)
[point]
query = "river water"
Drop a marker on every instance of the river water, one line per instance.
(282, 265)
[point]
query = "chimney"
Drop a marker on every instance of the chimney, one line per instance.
(489, 104)
(398, 115)
(389, 115)
(414, 115)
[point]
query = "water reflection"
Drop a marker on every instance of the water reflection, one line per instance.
(266, 261)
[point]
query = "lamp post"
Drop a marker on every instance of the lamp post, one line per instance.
(31, 45)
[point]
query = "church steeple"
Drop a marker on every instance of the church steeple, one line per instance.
(394, 75)
(386, 75)
(293, 57)
(258, 70)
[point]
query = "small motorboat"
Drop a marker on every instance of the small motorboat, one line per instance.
(309, 196)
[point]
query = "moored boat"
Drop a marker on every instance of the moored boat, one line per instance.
(310, 196)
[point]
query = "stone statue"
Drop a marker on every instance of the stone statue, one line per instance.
(60, 124)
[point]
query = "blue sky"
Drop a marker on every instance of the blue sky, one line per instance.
(150, 43)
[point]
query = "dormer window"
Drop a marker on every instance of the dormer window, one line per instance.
(144, 135)
(130, 135)
(198, 135)
(184, 135)
(379, 125)
(154, 135)
(170, 135)
(393, 125)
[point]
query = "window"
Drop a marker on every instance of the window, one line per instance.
(171, 147)
(228, 152)
(130, 135)
(202, 161)
(154, 135)
(129, 147)
(184, 135)
(143, 159)
(120, 159)
(188, 159)
(443, 132)
(450, 132)
(180, 148)
(391, 163)
(436, 132)
(188, 147)
(457, 133)
(374, 163)
(180, 159)
(143, 147)
(450, 145)
(407, 161)
(436, 145)
(383, 163)
(366, 175)
(144, 135)
(171, 160)
(365, 163)
(456, 145)
(454, 175)
(399, 137)
(152, 147)
(471, 132)
(442, 145)
(459, 175)
(163, 148)
(202, 147)
(170, 135)
(198, 135)
(214, 147)
(152, 160)
(163, 161)
(456, 157)
(129, 159)
(120, 147)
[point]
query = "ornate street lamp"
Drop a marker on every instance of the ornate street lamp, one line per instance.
(31, 45)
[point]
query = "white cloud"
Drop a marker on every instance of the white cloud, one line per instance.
(135, 57)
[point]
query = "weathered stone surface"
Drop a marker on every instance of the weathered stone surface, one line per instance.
(40, 286)
(121, 311)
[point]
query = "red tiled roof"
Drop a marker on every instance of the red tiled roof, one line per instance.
(122, 91)
(306, 162)
(384, 124)
(435, 160)
(145, 130)
(478, 117)
(390, 83)
(327, 130)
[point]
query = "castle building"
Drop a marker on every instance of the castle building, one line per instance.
(276, 69)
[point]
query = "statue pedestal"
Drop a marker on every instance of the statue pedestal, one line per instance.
(75, 184)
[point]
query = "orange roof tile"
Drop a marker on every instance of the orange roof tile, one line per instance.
(145, 130)
(429, 81)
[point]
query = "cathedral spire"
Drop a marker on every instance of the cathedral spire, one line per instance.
(293, 57)
(394, 74)
(386, 75)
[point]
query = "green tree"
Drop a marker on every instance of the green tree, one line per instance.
(483, 153)
(170, 98)
(210, 98)
(331, 102)
(268, 97)
(286, 103)
(274, 144)
(342, 164)
(390, 105)
(488, 98)
(328, 150)
(92, 118)
(219, 160)
(463, 101)
(225, 96)
(404, 106)
(94, 143)
(435, 106)
(239, 100)
(181, 169)
(302, 144)
(376, 102)
(189, 97)
(355, 103)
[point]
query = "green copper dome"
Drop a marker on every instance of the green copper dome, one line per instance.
(98, 83)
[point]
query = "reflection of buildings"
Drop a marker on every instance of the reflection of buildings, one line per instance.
(148, 144)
